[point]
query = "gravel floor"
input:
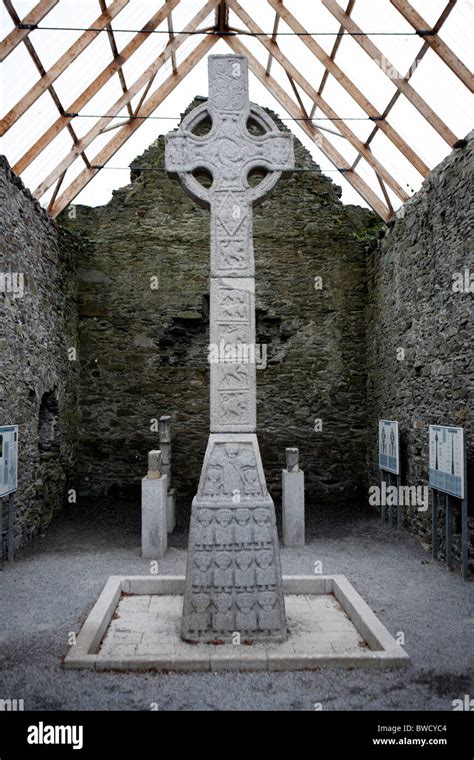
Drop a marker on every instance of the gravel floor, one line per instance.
(54, 582)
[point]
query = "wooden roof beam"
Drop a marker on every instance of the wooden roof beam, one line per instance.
(313, 132)
(37, 61)
(61, 65)
(332, 55)
(401, 83)
(444, 51)
(171, 38)
(385, 194)
(56, 191)
(122, 136)
(407, 76)
(274, 34)
(133, 89)
(115, 53)
(18, 34)
(93, 88)
(350, 88)
(325, 108)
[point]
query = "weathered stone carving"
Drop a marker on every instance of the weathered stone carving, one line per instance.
(292, 459)
(233, 577)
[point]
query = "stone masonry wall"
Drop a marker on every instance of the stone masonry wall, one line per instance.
(412, 305)
(37, 329)
(144, 350)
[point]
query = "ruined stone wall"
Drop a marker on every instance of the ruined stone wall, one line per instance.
(412, 305)
(144, 350)
(38, 326)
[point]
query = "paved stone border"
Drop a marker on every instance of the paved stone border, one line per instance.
(384, 651)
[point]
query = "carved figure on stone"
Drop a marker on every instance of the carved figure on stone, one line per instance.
(265, 569)
(263, 528)
(223, 572)
(224, 534)
(202, 575)
(246, 617)
(223, 618)
(244, 572)
(243, 529)
(268, 616)
(205, 529)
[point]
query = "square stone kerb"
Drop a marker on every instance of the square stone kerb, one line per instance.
(384, 650)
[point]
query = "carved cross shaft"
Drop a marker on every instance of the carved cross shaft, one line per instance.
(229, 152)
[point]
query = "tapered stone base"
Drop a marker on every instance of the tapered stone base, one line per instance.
(233, 575)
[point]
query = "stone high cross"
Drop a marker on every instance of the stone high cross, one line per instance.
(233, 576)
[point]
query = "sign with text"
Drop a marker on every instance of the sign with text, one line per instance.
(388, 446)
(446, 470)
(8, 459)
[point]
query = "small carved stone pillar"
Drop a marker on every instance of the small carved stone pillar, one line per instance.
(154, 509)
(293, 500)
(164, 430)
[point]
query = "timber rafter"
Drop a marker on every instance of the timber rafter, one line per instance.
(60, 192)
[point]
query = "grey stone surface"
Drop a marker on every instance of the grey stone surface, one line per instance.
(154, 464)
(292, 459)
(233, 576)
(144, 629)
(414, 307)
(39, 354)
(164, 428)
(232, 332)
(293, 507)
(171, 510)
(154, 517)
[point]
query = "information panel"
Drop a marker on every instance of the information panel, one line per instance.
(388, 446)
(8, 459)
(447, 459)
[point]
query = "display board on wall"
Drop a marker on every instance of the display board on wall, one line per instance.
(388, 446)
(446, 468)
(8, 459)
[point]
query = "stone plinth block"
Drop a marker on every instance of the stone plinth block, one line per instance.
(154, 517)
(293, 507)
(171, 512)
(233, 575)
